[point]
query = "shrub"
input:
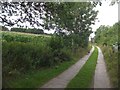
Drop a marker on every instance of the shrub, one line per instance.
(65, 54)
(56, 43)
(16, 55)
(25, 56)
(41, 56)
(60, 53)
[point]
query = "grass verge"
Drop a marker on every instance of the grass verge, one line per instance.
(38, 78)
(84, 78)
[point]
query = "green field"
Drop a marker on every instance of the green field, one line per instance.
(22, 33)
(23, 37)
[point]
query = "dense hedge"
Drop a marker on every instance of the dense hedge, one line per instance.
(19, 56)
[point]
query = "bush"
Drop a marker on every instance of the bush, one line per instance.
(26, 56)
(56, 43)
(64, 55)
(42, 56)
(60, 53)
(16, 55)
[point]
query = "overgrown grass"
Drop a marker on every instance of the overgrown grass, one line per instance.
(38, 78)
(111, 60)
(84, 78)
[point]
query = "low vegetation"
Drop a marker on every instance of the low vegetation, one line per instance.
(84, 78)
(39, 77)
(38, 55)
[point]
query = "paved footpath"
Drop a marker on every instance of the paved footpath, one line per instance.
(64, 78)
(101, 79)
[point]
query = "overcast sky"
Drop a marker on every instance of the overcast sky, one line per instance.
(108, 15)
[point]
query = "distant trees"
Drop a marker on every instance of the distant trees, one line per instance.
(4, 28)
(107, 35)
(34, 31)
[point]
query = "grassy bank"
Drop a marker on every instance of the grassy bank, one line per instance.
(84, 78)
(38, 78)
(111, 60)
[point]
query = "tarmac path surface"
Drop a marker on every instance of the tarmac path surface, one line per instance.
(101, 79)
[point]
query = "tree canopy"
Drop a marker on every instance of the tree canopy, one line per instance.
(107, 34)
(74, 17)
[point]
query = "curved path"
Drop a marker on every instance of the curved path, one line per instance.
(64, 78)
(101, 79)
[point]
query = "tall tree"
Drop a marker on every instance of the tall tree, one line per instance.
(76, 18)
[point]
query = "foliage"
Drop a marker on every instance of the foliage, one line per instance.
(37, 78)
(75, 18)
(30, 53)
(22, 53)
(56, 43)
(107, 34)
